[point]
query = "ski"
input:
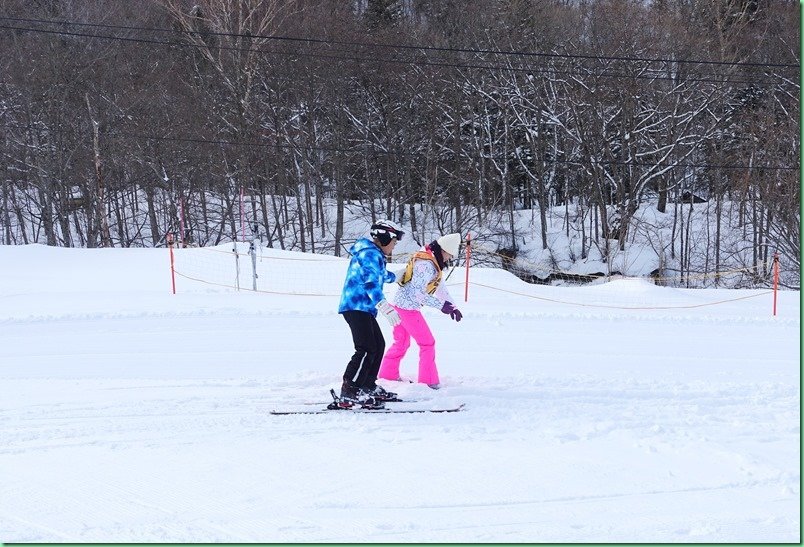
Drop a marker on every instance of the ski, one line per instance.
(336, 399)
(359, 410)
(308, 403)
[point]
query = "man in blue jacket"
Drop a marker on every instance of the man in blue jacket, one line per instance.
(361, 299)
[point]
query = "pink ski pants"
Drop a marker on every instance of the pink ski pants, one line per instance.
(412, 325)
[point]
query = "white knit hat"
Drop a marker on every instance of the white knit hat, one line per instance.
(450, 243)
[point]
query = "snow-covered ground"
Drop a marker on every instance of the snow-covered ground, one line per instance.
(618, 412)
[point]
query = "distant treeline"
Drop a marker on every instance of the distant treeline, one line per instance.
(120, 120)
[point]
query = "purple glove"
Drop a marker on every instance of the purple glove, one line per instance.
(452, 311)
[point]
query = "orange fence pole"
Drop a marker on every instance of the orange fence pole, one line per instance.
(775, 280)
(172, 270)
(468, 256)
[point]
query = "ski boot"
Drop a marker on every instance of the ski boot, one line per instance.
(380, 394)
(361, 400)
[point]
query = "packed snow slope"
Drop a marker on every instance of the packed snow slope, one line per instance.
(618, 412)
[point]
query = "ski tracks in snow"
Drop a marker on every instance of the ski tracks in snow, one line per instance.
(225, 466)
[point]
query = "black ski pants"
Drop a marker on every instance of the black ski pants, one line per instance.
(369, 348)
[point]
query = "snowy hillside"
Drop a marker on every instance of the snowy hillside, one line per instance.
(614, 412)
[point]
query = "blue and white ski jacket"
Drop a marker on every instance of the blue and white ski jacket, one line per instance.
(362, 289)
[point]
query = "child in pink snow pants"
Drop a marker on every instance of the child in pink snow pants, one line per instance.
(421, 286)
(413, 326)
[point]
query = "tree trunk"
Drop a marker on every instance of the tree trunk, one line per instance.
(719, 199)
(661, 206)
(103, 221)
(6, 217)
(264, 210)
(279, 223)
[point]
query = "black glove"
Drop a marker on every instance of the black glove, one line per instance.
(452, 311)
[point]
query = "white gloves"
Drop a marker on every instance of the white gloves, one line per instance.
(389, 312)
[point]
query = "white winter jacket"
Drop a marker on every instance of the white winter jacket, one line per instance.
(413, 294)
